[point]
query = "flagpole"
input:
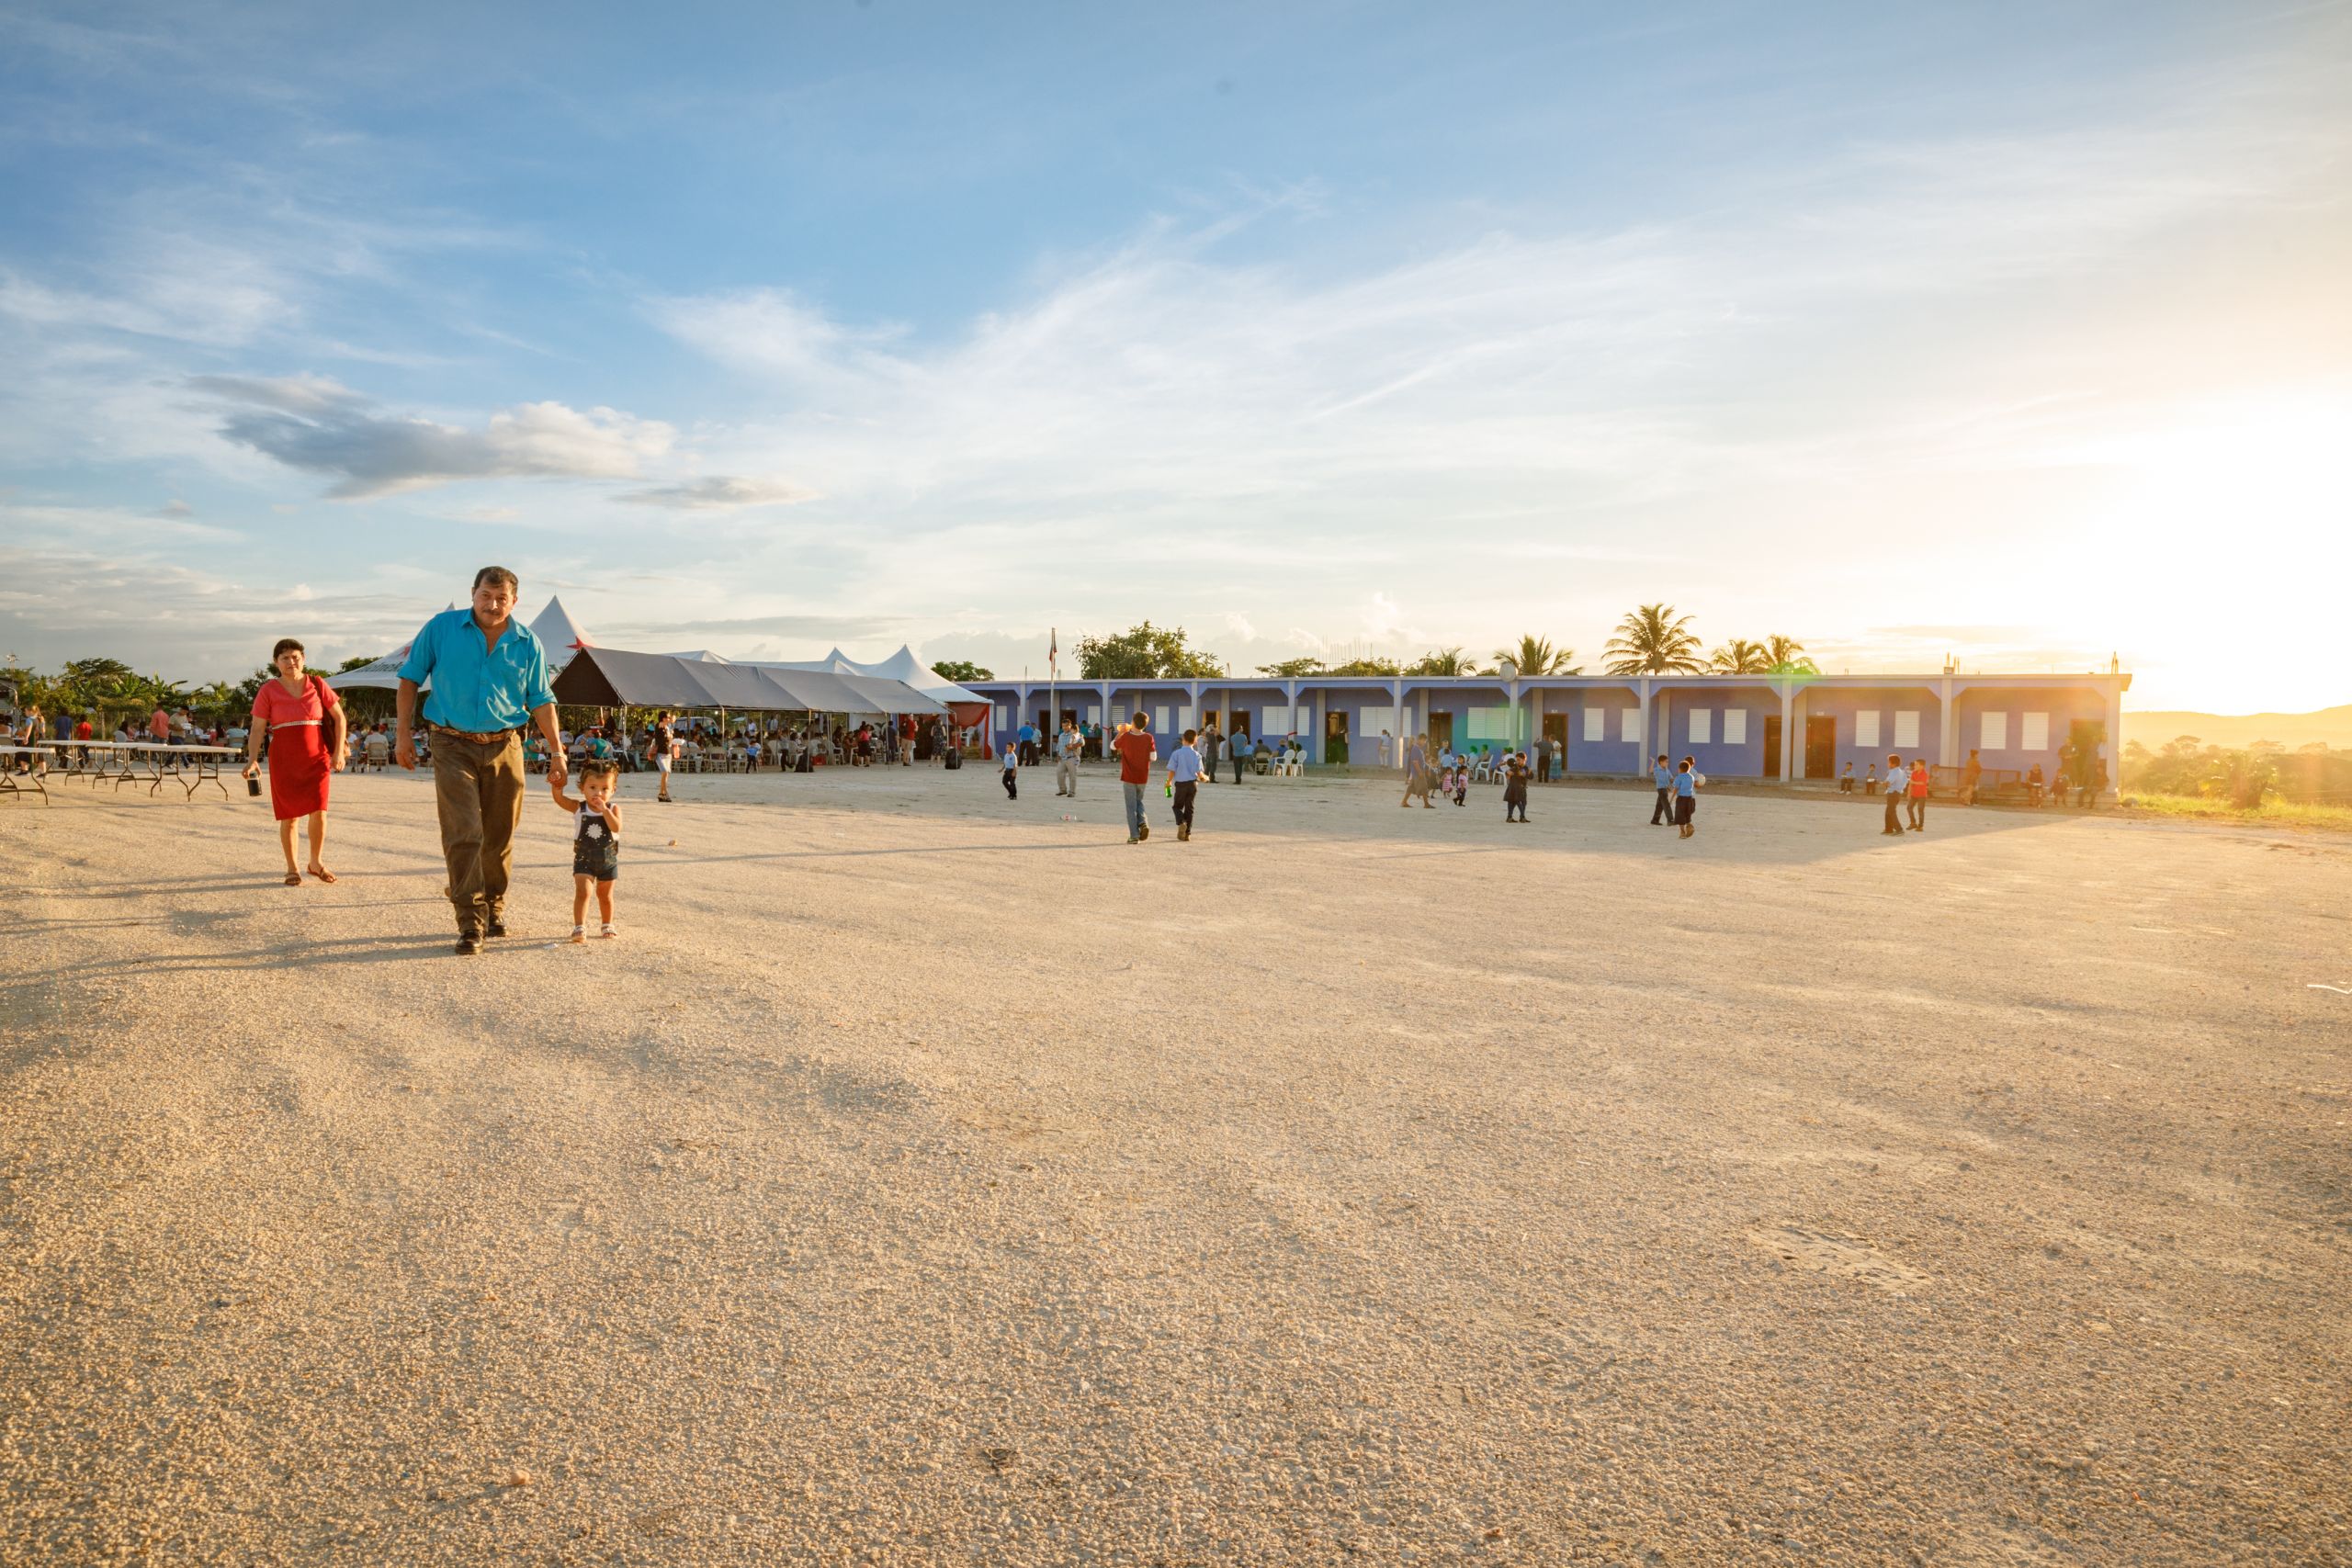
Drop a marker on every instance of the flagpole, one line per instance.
(1053, 691)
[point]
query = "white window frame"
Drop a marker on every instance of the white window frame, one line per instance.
(1735, 726)
(1703, 726)
(1866, 730)
(1632, 728)
(1906, 731)
(2034, 732)
(1596, 724)
(1993, 732)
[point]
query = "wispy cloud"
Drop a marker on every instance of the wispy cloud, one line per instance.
(720, 494)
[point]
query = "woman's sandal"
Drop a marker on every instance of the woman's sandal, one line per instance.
(293, 879)
(323, 874)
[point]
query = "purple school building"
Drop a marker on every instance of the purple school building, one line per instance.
(1757, 727)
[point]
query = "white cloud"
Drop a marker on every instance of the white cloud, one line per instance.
(318, 426)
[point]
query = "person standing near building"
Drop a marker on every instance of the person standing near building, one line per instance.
(1136, 753)
(1072, 746)
(1893, 796)
(1686, 798)
(490, 679)
(1969, 776)
(1208, 748)
(1662, 775)
(1919, 794)
(1028, 740)
(1184, 782)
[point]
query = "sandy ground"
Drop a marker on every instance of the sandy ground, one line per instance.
(923, 1178)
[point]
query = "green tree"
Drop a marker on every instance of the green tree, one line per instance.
(1740, 657)
(1141, 653)
(95, 674)
(961, 670)
(1653, 641)
(1442, 661)
(1536, 656)
(249, 688)
(1292, 669)
(1366, 666)
(1788, 657)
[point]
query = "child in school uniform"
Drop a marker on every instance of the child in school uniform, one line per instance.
(1846, 780)
(1012, 772)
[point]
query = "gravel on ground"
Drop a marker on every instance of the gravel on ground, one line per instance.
(922, 1177)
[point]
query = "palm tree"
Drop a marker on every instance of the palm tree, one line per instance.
(1442, 662)
(1786, 655)
(1652, 641)
(1536, 656)
(1741, 657)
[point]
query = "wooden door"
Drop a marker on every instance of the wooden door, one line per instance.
(1821, 746)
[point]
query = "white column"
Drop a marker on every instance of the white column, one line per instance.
(1397, 697)
(1649, 736)
(1947, 732)
(1788, 735)
(1535, 734)
(1315, 742)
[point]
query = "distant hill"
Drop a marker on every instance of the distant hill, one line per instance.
(2333, 725)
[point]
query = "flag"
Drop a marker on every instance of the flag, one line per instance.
(1053, 648)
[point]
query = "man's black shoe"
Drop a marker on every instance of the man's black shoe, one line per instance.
(469, 944)
(496, 926)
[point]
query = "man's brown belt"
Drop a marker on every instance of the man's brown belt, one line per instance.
(469, 735)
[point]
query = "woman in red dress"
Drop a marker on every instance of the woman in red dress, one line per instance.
(303, 720)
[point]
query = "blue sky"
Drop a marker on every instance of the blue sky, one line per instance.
(2016, 333)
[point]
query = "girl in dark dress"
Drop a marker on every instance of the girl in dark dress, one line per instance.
(1515, 788)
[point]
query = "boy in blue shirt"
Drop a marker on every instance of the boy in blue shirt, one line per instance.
(1663, 776)
(1184, 783)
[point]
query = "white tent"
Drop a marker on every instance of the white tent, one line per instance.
(560, 634)
(901, 666)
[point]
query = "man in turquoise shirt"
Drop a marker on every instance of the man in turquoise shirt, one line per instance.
(490, 678)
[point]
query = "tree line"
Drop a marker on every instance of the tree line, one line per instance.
(108, 690)
(1651, 640)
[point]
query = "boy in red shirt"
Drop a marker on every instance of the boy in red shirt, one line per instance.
(1137, 755)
